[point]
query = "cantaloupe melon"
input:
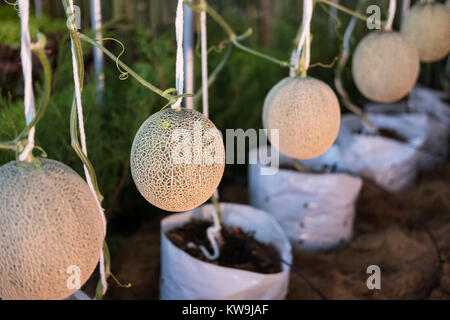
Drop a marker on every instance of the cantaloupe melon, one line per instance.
(177, 159)
(427, 26)
(385, 66)
(306, 112)
(50, 225)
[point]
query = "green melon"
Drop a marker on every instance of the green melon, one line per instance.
(427, 26)
(177, 173)
(49, 222)
(385, 66)
(306, 112)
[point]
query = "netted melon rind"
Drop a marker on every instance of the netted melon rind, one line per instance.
(427, 26)
(49, 221)
(306, 112)
(385, 66)
(164, 183)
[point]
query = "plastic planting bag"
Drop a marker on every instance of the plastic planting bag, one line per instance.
(184, 277)
(432, 102)
(435, 122)
(315, 210)
(78, 295)
(389, 162)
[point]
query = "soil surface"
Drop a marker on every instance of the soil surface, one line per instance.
(240, 249)
(393, 134)
(385, 234)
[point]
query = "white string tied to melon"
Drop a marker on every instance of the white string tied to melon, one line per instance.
(84, 148)
(179, 68)
(25, 55)
(391, 15)
(304, 37)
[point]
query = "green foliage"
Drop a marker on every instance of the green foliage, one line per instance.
(10, 26)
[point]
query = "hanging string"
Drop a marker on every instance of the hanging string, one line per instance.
(179, 72)
(304, 37)
(25, 55)
(391, 15)
(84, 147)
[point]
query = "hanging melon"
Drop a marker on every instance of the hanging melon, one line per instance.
(177, 159)
(385, 66)
(50, 229)
(427, 26)
(306, 112)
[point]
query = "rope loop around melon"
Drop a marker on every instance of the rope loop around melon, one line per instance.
(25, 55)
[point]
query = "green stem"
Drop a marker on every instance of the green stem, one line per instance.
(40, 53)
(213, 76)
(39, 50)
(232, 35)
(215, 201)
(78, 150)
(165, 94)
(344, 9)
(8, 146)
(74, 127)
(107, 259)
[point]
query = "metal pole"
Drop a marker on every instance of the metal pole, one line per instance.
(38, 8)
(332, 19)
(188, 48)
(96, 21)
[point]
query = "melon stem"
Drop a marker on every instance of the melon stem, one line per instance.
(78, 51)
(301, 56)
(165, 94)
(18, 143)
(234, 39)
(344, 9)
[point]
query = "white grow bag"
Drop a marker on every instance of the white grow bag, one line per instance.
(184, 277)
(390, 163)
(78, 295)
(436, 124)
(315, 210)
(423, 100)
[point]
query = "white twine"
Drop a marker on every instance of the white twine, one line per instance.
(84, 149)
(304, 37)
(179, 72)
(27, 66)
(391, 14)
